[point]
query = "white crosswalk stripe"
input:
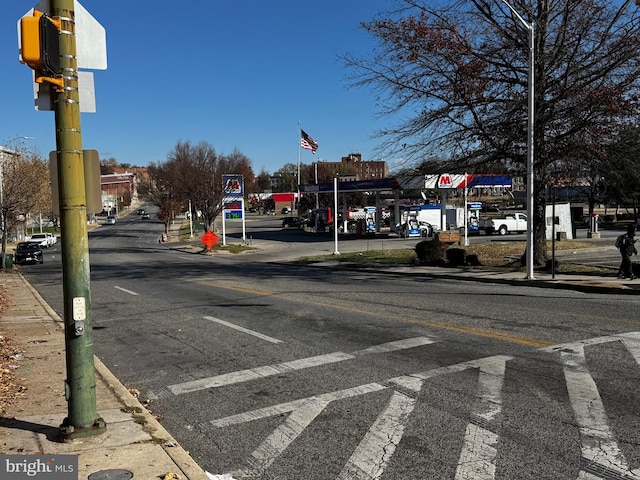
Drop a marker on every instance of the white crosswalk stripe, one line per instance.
(375, 450)
(277, 369)
(477, 459)
(602, 456)
(598, 443)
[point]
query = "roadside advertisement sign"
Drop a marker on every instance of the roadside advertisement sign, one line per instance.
(233, 185)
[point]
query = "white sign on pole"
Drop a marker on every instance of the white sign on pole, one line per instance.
(43, 94)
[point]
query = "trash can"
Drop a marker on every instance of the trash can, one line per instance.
(8, 261)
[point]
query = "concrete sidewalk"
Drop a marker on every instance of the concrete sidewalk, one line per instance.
(134, 446)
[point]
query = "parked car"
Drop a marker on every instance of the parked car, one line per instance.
(513, 222)
(42, 239)
(293, 222)
(28, 252)
(52, 239)
(285, 210)
(426, 229)
(111, 220)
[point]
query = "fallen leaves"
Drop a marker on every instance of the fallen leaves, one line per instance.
(10, 357)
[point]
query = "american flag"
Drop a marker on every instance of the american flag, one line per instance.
(307, 142)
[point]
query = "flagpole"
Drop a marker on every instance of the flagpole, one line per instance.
(299, 137)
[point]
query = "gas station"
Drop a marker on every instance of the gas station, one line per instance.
(443, 183)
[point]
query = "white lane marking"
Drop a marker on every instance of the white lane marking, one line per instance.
(479, 450)
(632, 343)
(587, 476)
(477, 459)
(379, 444)
(631, 336)
(397, 345)
(277, 369)
(244, 330)
(125, 290)
(290, 406)
(255, 373)
(183, 257)
(598, 443)
(282, 437)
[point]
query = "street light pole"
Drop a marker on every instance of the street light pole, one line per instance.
(530, 130)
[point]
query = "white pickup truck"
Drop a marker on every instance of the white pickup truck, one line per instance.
(514, 222)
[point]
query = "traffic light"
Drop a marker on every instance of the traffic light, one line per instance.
(40, 46)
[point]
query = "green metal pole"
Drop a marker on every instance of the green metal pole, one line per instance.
(82, 419)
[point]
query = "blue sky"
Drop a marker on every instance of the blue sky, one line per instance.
(236, 74)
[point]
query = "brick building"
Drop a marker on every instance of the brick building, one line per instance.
(353, 166)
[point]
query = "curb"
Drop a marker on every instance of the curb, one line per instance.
(179, 455)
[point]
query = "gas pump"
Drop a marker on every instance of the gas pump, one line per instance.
(409, 225)
(413, 225)
(473, 219)
(322, 218)
(370, 219)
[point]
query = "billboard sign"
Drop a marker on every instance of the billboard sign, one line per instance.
(232, 185)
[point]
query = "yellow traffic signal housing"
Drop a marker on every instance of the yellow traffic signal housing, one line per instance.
(40, 47)
(30, 40)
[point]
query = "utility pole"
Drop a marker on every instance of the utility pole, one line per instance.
(80, 388)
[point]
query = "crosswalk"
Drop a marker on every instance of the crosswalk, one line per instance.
(600, 450)
(602, 457)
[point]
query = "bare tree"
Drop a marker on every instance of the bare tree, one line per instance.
(622, 177)
(455, 81)
(193, 173)
(158, 188)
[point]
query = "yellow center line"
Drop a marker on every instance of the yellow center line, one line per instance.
(263, 293)
(478, 332)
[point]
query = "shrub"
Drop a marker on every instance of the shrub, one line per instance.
(456, 257)
(431, 252)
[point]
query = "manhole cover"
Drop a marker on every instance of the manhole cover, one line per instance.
(111, 475)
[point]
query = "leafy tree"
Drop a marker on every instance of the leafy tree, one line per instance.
(289, 178)
(455, 82)
(263, 181)
(25, 189)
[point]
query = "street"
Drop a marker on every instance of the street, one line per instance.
(268, 370)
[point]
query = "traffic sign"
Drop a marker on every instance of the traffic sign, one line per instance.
(209, 239)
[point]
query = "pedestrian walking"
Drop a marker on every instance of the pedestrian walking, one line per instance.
(626, 243)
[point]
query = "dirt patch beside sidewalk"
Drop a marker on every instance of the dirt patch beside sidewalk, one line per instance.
(10, 355)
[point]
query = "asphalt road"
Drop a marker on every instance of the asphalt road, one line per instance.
(272, 371)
